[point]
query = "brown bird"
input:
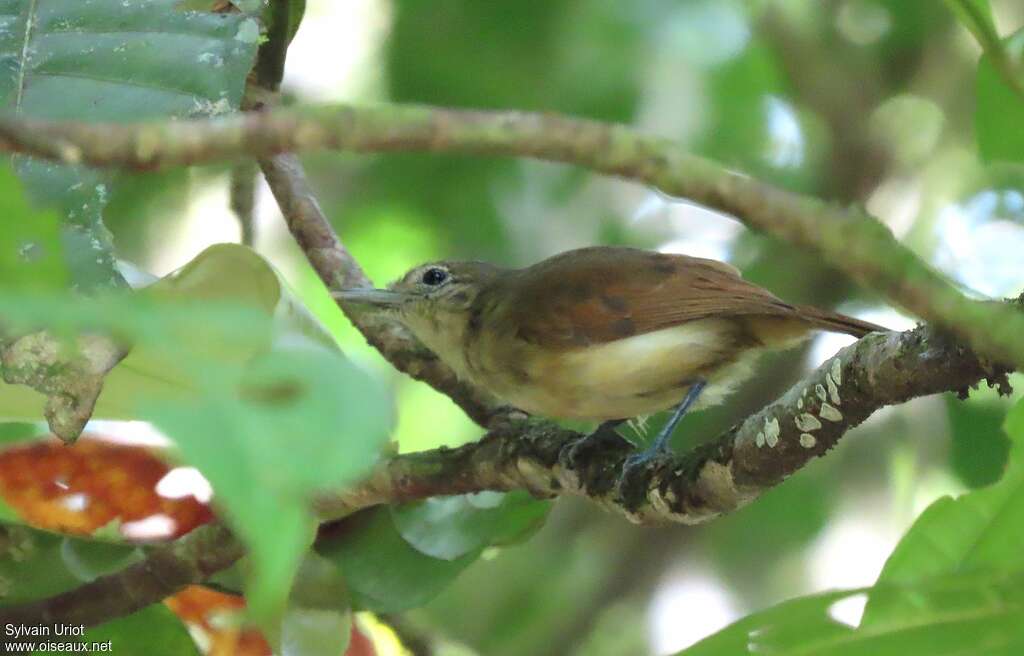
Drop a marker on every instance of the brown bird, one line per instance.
(601, 333)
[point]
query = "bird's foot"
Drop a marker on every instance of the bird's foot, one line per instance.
(602, 439)
(638, 467)
(637, 470)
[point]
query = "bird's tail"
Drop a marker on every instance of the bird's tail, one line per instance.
(840, 323)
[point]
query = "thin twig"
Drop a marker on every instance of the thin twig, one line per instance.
(243, 199)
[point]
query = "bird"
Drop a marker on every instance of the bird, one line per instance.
(603, 334)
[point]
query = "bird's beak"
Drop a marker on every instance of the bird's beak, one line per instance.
(383, 299)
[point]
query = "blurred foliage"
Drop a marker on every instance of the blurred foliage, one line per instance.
(30, 247)
(154, 631)
(111, 60)
(978, 449)
(890, 104)
(454, 526)
(1001, 107)
(951, 586)
(383, 571)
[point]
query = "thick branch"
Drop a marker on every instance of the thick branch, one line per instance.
(848, 238)
(339, 270)
(716, 478)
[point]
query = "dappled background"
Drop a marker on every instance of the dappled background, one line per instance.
(867, 102)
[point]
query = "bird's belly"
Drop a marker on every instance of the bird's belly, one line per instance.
(634, 376)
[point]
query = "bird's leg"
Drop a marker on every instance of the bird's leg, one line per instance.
(660, 444)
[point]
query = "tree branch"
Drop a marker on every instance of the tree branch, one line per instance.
(192, 558)
(848, 238)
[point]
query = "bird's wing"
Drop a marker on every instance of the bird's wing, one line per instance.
(582, 297)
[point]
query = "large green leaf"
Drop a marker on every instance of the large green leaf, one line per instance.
(957, 616)
(30, 248)
(982, 531)
(112, 60)
(250, 388)
(954, 585)
(384, 573)
(252, 300)
(267, 436)
(979, 448)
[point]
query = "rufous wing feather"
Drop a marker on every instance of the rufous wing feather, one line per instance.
(597, 295)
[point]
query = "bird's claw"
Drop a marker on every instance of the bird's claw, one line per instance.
(636, 473)
(584, 449)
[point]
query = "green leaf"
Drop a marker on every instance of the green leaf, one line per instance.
(250, 387)
(1014, 424)
(384, 573)
(112, 60)
(979, 448)
(152, 631)
(451, 527)
(1000, 107)
(315, 632)
(318, 621)
(89, 559)
(981, 531)
(12, 434)
(30, 246)
(36, 564)
(221, 309)
(956, 615)
(954, 585)
(296, 420)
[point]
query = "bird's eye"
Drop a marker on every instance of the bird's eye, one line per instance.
(434, 276)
